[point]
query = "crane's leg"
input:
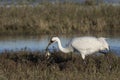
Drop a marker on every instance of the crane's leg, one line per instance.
(71, 56)
(84, 62)
(107, 58)
(83, 57)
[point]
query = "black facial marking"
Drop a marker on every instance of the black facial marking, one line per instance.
(51, 41)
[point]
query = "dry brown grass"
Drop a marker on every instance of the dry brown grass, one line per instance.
(25, 65)
(60, 18)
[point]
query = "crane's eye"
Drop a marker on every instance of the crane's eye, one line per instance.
(51, 41)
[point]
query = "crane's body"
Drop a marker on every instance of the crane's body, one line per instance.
(83, 45)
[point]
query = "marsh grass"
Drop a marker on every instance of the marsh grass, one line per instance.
(59, 18)
(24, 65)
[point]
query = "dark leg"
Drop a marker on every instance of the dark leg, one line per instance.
(106, 55)
(84, 62)
(71, 55)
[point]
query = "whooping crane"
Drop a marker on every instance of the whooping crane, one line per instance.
(83, 45)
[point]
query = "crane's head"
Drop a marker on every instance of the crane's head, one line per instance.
(105, 45)
(52, 40)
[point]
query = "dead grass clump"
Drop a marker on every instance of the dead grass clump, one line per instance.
(60, 18)
(34, 65)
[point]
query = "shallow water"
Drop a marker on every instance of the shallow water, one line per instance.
(35, 43)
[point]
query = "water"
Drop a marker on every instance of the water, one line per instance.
(33, 43)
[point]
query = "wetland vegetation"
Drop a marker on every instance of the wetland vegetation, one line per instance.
(59, 18)
(24, 65)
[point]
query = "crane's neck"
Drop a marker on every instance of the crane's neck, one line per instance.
(64, 50)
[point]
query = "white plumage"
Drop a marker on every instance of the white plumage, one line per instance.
(83, 45)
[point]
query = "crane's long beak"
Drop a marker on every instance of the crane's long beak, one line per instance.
(49, 45)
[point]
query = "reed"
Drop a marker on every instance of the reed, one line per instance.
(59, 18)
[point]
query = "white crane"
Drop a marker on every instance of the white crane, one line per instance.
(83, 45)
